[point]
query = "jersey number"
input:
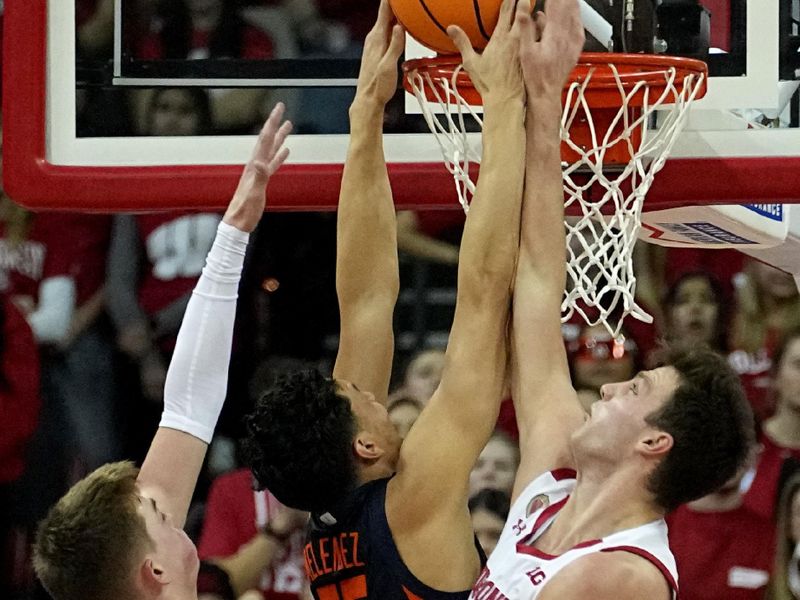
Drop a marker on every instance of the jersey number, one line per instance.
(354, 588)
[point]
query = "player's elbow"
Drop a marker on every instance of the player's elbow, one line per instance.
(486, 281)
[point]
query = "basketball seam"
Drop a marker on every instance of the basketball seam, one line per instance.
(479, 19)
(434, 19)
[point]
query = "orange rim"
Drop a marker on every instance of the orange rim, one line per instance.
(603, 89)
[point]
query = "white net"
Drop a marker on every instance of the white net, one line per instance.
(611, 157)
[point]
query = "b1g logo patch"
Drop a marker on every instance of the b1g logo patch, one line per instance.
(538, 503)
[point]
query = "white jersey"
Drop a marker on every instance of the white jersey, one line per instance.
(518, 571)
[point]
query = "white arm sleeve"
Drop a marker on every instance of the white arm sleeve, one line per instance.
(54, 310)
(197, 379)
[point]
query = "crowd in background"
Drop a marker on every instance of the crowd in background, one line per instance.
(90, 307)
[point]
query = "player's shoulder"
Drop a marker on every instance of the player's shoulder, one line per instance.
(609, 576)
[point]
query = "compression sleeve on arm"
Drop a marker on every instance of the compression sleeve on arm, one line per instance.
(197, 379)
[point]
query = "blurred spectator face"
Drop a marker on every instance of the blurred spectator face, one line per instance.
(424, 374)
(487, 526)
(773, 282)
(174, 113)
(694, 312)
(787, 378)
(403, 412)
(496, 466)
(205, 14)
(599, 359)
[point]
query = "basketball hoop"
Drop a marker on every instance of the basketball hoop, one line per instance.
(622, 114)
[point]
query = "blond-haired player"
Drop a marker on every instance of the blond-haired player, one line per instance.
(117, 534)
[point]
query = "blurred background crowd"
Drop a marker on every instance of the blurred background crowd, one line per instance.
(90, 306)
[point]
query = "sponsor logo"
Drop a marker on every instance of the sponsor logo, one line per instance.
(538, 503)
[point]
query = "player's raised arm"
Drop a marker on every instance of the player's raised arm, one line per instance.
(427, 500)
(198, 374)
(545, 402)
(367, 279)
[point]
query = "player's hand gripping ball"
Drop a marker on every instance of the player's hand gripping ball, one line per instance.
(427, 21)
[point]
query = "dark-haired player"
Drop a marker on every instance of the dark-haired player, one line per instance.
(592, 490)
(392, 522)
(118, 533)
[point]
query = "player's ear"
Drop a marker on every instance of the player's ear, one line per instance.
(366, 447)
(152, 574)
(655, 443)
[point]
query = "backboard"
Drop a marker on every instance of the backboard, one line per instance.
(742, 144)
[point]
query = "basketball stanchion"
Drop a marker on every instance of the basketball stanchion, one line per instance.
(622, 114)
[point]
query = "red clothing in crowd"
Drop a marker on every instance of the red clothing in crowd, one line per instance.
(358, 15)
(755, 372)
(176, 248)
(19, 391)
(255, 45)
(233, 514)
(762, 497)
(56, 245)
(722, 555)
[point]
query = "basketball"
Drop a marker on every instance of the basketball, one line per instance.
(427, 21)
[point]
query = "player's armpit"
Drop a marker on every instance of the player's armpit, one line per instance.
(547, 408)
(426, 502)
(545, 443)
(608, 576)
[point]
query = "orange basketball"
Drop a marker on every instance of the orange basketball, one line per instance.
(427, 21)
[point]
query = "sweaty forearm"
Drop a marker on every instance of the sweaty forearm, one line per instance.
(543, 234)
(367, 226)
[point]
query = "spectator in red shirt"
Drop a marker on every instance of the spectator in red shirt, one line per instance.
(785, 584)
(780, 436)
(52, 269)
(19, 390)
(724, 549)
(19, 412)
(768, 306)
(255, 539)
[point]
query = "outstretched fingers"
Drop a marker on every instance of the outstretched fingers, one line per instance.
(462, 42)
(266, 138)
(384, 21)
(523, 20)
(507, 12)
(397, 44)
(279, 152)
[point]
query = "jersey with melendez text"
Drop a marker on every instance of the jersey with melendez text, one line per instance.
(518, 571)
(350, 553)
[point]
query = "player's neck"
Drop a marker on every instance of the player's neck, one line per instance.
(375, 471)
(598, 507)
(180, 595)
